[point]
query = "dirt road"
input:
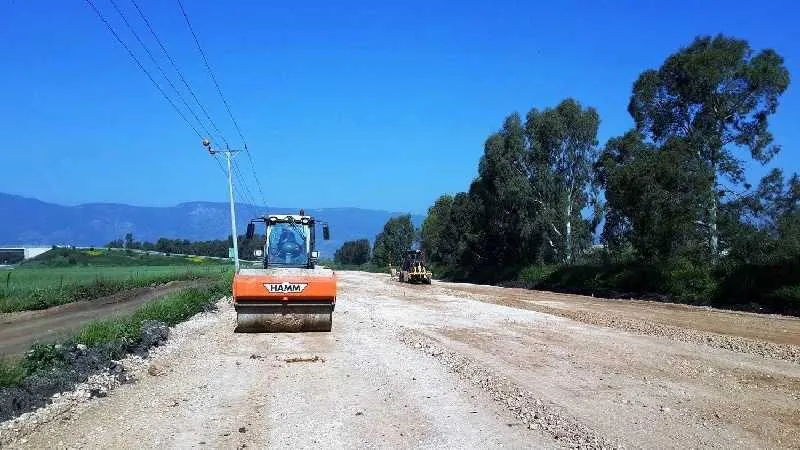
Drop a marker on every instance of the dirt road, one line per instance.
(457, 366)
(20, 330)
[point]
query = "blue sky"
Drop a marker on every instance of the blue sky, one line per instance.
(342, 103)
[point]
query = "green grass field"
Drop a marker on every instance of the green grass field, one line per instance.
(101, 257)
(23, 279)
(64, 275)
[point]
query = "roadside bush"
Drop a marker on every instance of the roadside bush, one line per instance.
(785, 299)
(41, 357)
(773, 287)
(690, 282)
(449, 272)
(535, 274)
(11, 373)
(621, 279)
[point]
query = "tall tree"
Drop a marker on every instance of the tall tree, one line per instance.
(435, 221)
(764, 225)
(461, 240)
(563, 149)
(353, 252)
(390, 244)
(653, 196)
(503, 190)
(716, 95)
(618, 152)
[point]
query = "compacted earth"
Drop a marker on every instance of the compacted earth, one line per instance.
(449, 365)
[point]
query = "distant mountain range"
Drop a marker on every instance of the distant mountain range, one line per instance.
(26, 221)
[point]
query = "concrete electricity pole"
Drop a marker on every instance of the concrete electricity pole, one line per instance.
(234, 238)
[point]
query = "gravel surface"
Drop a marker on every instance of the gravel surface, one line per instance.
(532, 411)
(430, 367)
(597, 312)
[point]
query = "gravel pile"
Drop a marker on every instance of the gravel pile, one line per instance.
(533, 412)
(733, 343)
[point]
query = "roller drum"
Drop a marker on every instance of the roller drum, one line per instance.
(283, 318)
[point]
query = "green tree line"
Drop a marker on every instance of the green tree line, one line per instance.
(666, 205)
(390, 244)
(353, 253)
(218, 247)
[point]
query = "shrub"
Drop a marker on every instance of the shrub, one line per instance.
(41, 357)
(772, 286)
(535, 274)
(786, 299)
(690, 282)
(11, 373)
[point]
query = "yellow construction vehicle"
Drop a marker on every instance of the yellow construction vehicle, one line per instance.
(414, 268)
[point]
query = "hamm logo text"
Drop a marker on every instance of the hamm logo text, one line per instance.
(285, 288)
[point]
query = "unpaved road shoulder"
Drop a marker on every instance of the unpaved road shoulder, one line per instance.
(21, 329)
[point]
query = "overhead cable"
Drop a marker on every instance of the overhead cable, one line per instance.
(142, 68)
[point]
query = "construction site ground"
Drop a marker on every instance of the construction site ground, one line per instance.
(452, 365)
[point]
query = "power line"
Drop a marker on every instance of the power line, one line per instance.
(221, 168)
(224, 100)
(238, 173)
(211, 73)
(142, 68)
(243, 196)
(149, 76)
(255, 176)
(158, 66)
(178, 71)
(157, 86)
(250, 195)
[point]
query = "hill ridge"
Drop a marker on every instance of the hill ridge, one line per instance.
(26, 220)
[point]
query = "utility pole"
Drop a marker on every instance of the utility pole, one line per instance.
(229, 154)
